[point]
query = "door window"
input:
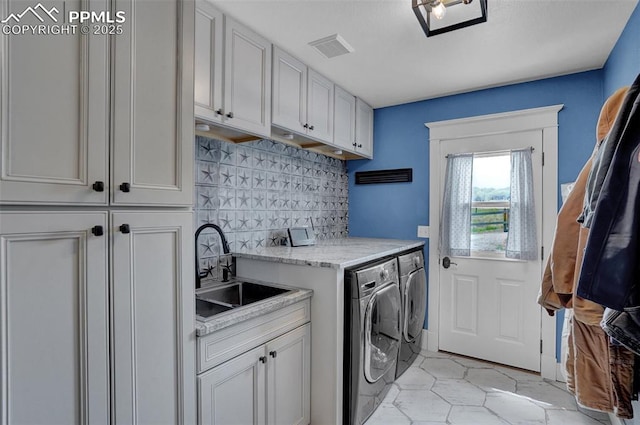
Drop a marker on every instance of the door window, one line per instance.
(490, 204)
(382, 332)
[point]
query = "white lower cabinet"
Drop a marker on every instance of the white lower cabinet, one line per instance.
(93, 339)
(269, 384)
(288, 377)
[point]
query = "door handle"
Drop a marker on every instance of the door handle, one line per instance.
(446, 262)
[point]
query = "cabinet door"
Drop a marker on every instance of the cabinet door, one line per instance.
(344, 121)
(247, 79)
(289, 92)
(320, 107)
(53, 111)
(364, 129)
(53, 319)
(289, 378)
(208, 62)
(234, 392)
(153, 104)
(153, 318)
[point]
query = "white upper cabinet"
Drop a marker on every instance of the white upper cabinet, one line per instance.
(320, 107)
(153, 104)
(302, 98)
(289, 92)
(344, 119)
(232, 73)
(54, 114)
(208, 62)
(364, 129)
(56, 120)
(247, 79)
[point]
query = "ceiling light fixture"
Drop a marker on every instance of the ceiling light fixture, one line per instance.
(474, 13)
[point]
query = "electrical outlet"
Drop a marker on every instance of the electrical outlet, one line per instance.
(423, 231)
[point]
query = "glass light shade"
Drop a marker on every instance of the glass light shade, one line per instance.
(439, 10)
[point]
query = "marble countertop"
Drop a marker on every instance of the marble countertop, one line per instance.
(239, 314)
(334, 253)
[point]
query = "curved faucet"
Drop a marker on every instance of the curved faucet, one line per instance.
(223, 239)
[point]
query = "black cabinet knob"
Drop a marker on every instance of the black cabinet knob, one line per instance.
(273, 353)
(98, 186)
(230, 115)
(124, 228)
(359, 145)
(97, 230)
(354, 144)
(219, 111)
(263, 359)
(305, 125)
(310, 127)
(125, 187)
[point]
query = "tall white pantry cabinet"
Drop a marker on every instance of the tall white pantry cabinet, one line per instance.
(96, 242)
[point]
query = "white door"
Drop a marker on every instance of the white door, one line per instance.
(247, 79)
(208, 63)
(364, 129)
(54, 341)
(153, 318)
(53, 111)
(488, 306)
(153, 104)
(289, 92)
(234, 392)
(320, 107)
(289, 378)
(344, 119)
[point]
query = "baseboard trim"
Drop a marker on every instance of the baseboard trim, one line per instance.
(560, 373)
(424, 342)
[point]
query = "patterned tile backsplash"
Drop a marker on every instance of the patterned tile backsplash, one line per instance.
(255, 191)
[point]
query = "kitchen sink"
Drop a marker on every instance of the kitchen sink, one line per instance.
(206, 309)
(225, 298)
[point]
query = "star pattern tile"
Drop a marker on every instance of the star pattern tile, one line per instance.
(256, 190)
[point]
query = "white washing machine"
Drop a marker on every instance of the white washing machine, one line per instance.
(372, 337)
(413, 291)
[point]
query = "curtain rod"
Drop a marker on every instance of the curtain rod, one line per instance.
(490, 152)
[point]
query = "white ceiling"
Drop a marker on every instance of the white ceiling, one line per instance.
(394, 62)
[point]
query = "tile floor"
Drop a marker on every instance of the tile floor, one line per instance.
(441, 389)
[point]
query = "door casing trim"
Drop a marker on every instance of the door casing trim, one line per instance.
(545, 119)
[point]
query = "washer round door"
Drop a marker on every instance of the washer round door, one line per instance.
(415, 304)
(382, 332)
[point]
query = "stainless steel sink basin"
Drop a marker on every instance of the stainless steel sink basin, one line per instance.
(225, 298)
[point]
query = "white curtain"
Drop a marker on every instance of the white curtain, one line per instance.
(522, 243)
(455, 221)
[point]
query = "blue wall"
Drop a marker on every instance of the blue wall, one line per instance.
(401, 140)
(623, 64)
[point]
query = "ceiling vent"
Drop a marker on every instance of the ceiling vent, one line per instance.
(332, 46)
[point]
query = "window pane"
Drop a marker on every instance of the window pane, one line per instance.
(490, 206)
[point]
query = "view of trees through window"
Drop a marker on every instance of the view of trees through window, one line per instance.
(490, 204)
